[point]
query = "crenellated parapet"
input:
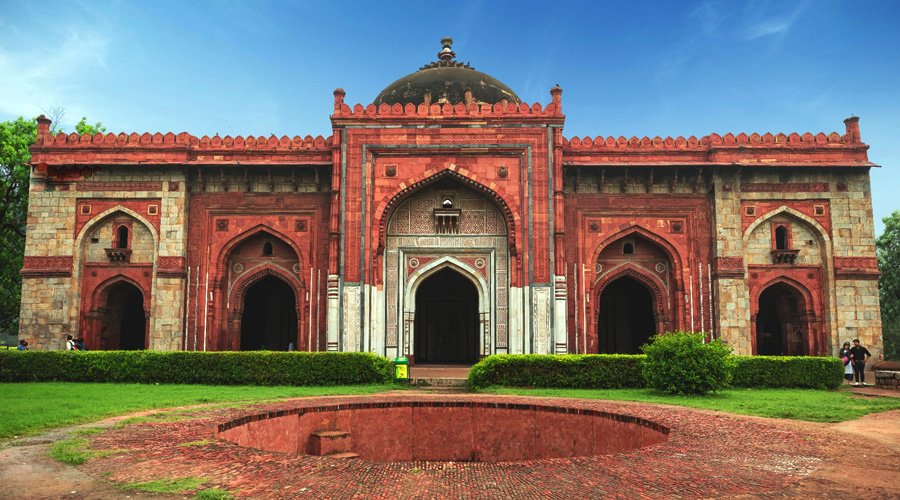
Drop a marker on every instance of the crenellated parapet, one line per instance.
(763, 149)
(431, 111)
(61, 149)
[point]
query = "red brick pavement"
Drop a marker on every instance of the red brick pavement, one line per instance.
(707, 455)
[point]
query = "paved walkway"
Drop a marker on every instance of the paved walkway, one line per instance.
(708, 454)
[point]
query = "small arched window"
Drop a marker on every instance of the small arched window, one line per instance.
(122, 237)
(781, 238)
(628, 248)
(267, 249)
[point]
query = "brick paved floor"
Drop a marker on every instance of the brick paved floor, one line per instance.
(708, 454)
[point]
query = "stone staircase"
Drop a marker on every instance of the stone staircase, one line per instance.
(440, 384)
(440, 378)
(331, 444)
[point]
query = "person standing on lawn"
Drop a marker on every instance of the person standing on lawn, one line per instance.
(844, 354)
(859, 355)
(23, 345)
(70, 344)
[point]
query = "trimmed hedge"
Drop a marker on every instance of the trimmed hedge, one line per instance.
(582, 371)
(183, 367)
(613, 371)
(810, 372)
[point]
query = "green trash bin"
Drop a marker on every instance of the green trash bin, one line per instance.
(401, 369)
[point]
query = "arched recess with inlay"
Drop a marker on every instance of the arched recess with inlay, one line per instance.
(445, 219)
(633, 290)
(266, 294)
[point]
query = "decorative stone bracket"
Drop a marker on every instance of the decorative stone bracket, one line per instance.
(784, 256)
(121, 255)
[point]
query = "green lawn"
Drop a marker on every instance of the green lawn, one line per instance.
(798, 404)
(29, 407)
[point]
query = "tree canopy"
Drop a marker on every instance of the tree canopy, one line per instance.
(888, 245)
(15, 139)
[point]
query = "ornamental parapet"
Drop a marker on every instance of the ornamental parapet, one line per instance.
(754, 149)
(430, 111)
(159, 148)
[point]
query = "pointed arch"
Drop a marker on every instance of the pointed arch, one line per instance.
(666, 245)
(96, 318)
(813, 341)
(447, 261)
(661, 306)
(384, 211)
(105, 285)
(784, 209)
(251, 276)
(254, 231)
(107, 214)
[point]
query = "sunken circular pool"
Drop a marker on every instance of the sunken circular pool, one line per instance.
(474, 431)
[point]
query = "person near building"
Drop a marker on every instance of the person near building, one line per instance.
(80, 345)
(859, 355)
(23, 345)
(70, 344)
(844, 354)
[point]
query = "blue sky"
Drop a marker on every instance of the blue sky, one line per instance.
(627, 68)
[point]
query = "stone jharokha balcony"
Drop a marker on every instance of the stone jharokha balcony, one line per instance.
(784, 256)
(118, 254)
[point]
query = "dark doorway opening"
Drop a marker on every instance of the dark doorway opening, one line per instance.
(125, 322)
(269, 321)
(626, 319)
(446, 329)
(780, 325)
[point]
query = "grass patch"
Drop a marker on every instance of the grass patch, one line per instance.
(201, 442)
(797, 404)
(90, 431)
(213, 494)
(74, 451)
(30, 407)
(173, 485)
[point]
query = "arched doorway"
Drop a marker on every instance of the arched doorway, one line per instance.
(781, 328)
(124, 324)
(446, 329)
(626, 320)
(269, 319)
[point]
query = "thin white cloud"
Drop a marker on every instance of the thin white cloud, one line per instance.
(777, 26)
(35, 78)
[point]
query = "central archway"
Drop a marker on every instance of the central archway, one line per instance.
(446, 319)
(124, 320)
(626, 320)
(269, 319)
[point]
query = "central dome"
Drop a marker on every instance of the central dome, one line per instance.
(446, 81)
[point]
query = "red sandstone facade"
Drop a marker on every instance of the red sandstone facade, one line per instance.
(353, 242)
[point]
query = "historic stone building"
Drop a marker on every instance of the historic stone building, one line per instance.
(448, 220)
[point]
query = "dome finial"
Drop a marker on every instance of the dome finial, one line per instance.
(446, 54)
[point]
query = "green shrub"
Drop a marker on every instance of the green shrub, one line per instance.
(811, 372)
(681, 363)
(586, 371)
(184, 367)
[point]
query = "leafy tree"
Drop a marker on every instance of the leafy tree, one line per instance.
(15, 139)
(888, 245)
(83, 127)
